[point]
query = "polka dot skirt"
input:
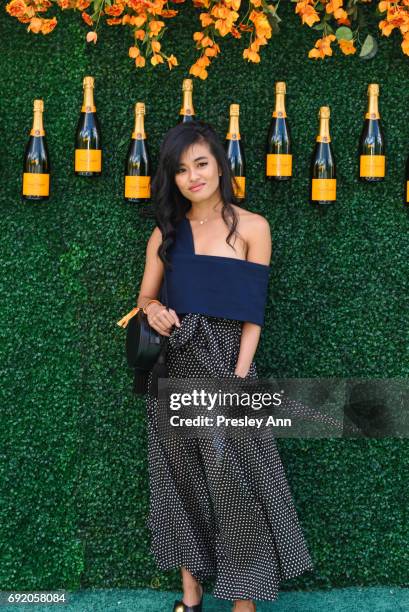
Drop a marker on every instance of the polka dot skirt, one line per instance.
(220, 507)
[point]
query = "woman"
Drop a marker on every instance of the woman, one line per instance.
(217, 507)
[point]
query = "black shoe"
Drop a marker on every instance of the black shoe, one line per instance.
(182, 607)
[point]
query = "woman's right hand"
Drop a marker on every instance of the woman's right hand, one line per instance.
(161, 319)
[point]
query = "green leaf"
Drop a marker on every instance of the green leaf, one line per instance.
(319, 26)
(344, 33)
(369, 48)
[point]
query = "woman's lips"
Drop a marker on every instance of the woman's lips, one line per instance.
(196, 188)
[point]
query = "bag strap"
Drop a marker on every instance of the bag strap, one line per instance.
(166, 289)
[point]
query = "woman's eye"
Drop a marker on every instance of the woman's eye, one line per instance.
(203, 164)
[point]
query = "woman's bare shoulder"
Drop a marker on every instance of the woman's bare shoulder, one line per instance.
(156, 237)
(252, 224)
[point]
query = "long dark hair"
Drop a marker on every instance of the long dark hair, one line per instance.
(169, 205)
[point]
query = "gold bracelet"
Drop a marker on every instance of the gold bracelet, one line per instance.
(150, 302)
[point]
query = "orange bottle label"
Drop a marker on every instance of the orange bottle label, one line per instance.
(279, 164)
(36, 184)
(324, 189)
(88, 160)
(137, 186)
(372, 165)
(241, 190)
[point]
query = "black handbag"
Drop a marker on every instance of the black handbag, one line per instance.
(145, 350)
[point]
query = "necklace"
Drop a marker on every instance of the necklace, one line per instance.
(201, 221)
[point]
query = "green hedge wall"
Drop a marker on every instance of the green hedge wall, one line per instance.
(74, 459)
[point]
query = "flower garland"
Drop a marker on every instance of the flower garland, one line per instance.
(338, 20)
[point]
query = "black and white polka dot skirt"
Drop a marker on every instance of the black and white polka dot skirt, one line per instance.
(234, 518)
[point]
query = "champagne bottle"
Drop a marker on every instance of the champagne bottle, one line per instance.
(36, 167)
(372, 141)
(323, 169)
(88, 153)
(138, 164)
(235, 153)
(279, 157)
(187, 112)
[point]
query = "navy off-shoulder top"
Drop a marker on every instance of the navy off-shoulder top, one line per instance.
(213, 285)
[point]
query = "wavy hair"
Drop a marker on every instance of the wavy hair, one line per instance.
(169, 205)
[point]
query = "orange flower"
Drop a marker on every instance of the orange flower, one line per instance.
(156, 59)
(167, 14)
(92, 37)
(347, 46)
(210, 52)
(139, 34)
(234, 4)
(322, 47)
(307, 12)
(206, 41)
(87, 19)
(16, 8)
(138, 21)
(221, 11)
(397, 17)
(205, 19)
(172, 61)
(66, 4)
(81, 5)
(344, 21)
(155, 27)
(198, 71)
(48, 25)
(133, 52)
(251, 56)
(198, 36)
(114, 21)
(140, 61)
(155, 46)
(256, 3)
(384, 6)
(334, 6)
(222, 26)
(203, 61)
(114, 10)
(35, 25)
(263, 28)
(42, 5)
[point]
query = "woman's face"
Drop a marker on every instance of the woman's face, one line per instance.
(197, 176)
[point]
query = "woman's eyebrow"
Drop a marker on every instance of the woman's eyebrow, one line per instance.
(197, 159)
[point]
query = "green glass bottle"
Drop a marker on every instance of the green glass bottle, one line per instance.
(372, 160)
(138, 163)
(235, 153)
(323, 183)
(36, 165)
(279, 157)
(88, 151)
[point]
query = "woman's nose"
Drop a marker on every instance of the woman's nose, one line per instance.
(193, 175)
